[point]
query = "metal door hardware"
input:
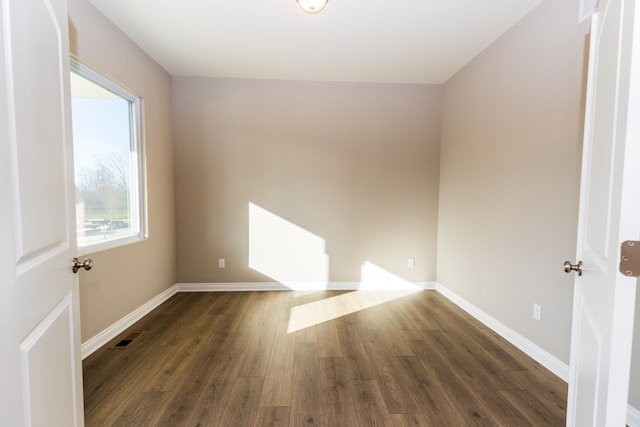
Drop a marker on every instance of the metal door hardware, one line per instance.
(630, 258)
(87, 264)
(568, 267)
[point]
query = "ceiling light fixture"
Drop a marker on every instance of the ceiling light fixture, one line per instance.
(312, 6)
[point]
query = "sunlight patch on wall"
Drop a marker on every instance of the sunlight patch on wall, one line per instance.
(286, 252)
(378, 286)
(374, 277)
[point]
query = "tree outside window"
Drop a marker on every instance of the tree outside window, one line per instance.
(107, 161)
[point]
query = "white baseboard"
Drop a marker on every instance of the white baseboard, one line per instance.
(230, 287)
(102, 338)
(633, 417)
(94, 343)
(541, 356)
(538, 354)
(275, 286)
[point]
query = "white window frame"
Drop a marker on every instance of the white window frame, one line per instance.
(138, 221)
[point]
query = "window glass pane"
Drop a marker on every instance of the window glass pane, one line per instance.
(106, 162)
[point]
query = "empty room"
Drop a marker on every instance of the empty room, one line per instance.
(342, 213)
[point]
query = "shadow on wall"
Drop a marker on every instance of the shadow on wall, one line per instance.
(296, 258)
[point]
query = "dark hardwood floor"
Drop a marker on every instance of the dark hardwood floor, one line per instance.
(317, 358)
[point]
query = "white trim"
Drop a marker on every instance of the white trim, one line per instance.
(541, 356)
(633, 417)
(538, 354)
(102, 338)
(586, 8)
(230, 287)
(547, 360)
(275, 286)
(137, 192)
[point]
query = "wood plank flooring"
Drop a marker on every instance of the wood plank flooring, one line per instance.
(327, 358)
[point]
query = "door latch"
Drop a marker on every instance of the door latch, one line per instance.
(630, 258)
(87, 264)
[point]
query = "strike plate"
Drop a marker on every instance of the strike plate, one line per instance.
(630, 258)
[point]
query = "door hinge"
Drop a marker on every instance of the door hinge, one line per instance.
(630, 258)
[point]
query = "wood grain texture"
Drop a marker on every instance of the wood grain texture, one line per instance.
(337, 402)
(272, 416)
(317, 358)
(278, 380)
(306, 402)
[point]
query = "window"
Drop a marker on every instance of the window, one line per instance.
(108, 161)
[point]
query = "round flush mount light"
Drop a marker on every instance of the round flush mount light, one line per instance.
(312, 6)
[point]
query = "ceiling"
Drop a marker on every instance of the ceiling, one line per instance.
(397, 41)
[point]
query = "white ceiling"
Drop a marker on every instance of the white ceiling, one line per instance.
(399, 41)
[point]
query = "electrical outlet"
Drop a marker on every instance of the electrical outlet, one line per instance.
(537, 312)
(411, 263)
(221, 263)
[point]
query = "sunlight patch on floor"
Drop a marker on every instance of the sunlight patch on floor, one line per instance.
(297, 258)
(378, 286)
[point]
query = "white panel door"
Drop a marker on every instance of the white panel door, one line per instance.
(604, 299)
(41, 378)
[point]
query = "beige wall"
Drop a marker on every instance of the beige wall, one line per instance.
(124, 278)
(509, 183)
(354, 165)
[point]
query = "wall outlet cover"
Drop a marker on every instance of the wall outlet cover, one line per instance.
(537, 312)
